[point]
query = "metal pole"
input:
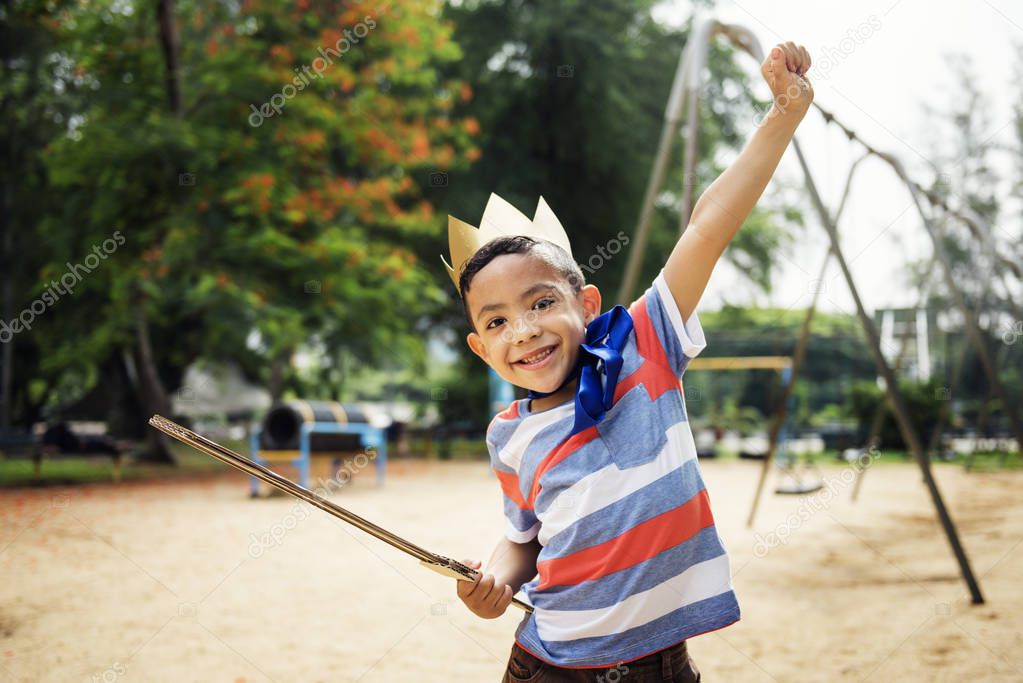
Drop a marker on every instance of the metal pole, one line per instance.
(797, 362)
(906, 426)
(882, 408)
(782, 412)
(672, 114)
(691, 135)
(695, 49)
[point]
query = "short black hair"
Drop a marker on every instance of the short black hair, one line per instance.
(556, 257)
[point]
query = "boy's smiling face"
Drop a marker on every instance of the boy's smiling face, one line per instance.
(529, 321)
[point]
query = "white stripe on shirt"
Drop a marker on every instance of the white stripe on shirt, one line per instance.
(526, 431)
(517, 536)
(699, 582)
(609, 484)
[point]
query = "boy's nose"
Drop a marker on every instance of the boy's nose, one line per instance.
(524, 329)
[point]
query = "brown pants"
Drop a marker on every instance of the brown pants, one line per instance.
(673, 665)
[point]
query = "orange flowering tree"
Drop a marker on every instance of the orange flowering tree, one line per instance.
(277, 204)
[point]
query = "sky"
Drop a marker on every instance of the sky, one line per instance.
(878, 86)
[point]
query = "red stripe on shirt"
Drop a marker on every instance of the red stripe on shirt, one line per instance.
(640, 543)
(511, 412)
(557, 454)
(646, 336)
(654, 372)
(510, 487)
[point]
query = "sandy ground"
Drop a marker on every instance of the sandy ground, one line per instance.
(181, 581)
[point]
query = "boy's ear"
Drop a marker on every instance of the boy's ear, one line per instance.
(477, 346)
(591, 302)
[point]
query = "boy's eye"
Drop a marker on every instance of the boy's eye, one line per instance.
(542, 304)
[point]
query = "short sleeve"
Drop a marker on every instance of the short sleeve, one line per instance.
(660, 331)
(521, 524)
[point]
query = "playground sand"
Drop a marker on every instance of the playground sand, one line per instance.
(193, 581)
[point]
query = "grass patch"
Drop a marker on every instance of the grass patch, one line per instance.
(60, 472)
(992, 460)
(461, 449)
(69, 471)
(981, 461)
(987, 460)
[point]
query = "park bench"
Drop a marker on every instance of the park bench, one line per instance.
(60, 441)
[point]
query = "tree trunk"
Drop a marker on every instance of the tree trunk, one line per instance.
(153, 397)
(277, 367)
(171, 50)
(6, 308)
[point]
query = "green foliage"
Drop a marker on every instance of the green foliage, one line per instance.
(836, 341)
(570, 97)
(247, 237)
(745, 420)
(465, 395)
(923, 401)
(39, 98)
(829, 414)
(290, 207)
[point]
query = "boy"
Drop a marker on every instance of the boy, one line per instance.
(603, 498)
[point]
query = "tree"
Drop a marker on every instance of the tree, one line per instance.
(570, 97)
(38, 99)
(275, 211)
(966, 177)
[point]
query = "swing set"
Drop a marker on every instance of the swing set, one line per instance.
(796, 478)
(682, 115)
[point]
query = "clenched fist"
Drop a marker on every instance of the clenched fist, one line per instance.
(785, 69)
(483, 596)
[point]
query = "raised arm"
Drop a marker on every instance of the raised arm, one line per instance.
(724, 206)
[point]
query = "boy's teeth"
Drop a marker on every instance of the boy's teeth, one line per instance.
(536, 358)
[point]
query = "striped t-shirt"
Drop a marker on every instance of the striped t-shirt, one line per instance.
(631, 562)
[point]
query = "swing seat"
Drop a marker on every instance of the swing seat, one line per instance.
(798, 488)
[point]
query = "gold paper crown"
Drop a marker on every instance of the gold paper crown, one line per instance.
(500, 219)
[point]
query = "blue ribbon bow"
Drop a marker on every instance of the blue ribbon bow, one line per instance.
(598, 366)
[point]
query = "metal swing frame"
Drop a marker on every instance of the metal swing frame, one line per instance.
(685, 97)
